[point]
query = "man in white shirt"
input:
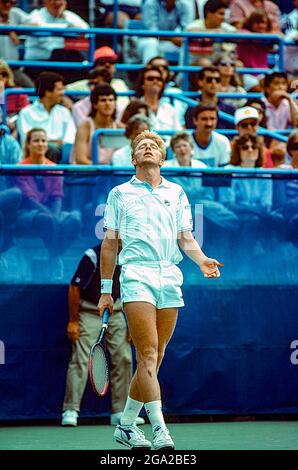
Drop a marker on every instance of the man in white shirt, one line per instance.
(47, 113)
(152, 217)
(211, 148)
(54, 14)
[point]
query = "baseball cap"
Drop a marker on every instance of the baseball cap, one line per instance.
(105, 53)
(248, 112)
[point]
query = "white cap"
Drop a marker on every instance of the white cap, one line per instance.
(248, 112)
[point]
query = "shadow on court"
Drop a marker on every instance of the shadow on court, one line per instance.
(194, 436)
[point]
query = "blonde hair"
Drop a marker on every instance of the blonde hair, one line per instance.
(5, 67)
(152, 136)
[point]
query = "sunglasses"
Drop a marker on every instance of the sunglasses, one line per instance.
(151, 78)
(248, 147)
(294, 146)
(211, 79)
(227, 62)
(246, 125)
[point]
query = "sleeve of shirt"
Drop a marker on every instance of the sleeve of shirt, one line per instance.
(111, 215)
(225, 155)
(184, 217)
(187, 14)
(237, 13)
(83, 272)
(75, 21)
(69, 133)
(150, 15)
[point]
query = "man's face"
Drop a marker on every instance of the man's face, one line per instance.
(206, 121)
(106, 105)
(5, 6)
(248, 126)
(153, 81)
(277, 84)
(146, 153)
(210, 83)
(108, 64)
(57, 94)
(217, 17)
(55, 7)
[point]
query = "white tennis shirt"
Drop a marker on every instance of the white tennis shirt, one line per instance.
(148, 220)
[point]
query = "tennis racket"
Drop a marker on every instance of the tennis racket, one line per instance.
(98, 363)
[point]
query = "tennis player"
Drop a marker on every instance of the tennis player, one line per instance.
(153, 218)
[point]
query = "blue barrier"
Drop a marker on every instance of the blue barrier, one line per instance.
(236, 332)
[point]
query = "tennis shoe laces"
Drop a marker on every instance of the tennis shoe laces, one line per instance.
(162, 438)
(131, 436)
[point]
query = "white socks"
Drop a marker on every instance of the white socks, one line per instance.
(154, 413)
(131, 411)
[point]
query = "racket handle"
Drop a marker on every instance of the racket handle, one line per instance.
(105, 317)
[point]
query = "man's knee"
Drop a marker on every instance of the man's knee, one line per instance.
(147, 357)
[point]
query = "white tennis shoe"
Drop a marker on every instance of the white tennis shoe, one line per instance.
(162, 439)
(131, 436)
(69, 418)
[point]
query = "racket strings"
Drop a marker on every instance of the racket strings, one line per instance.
(99, 369)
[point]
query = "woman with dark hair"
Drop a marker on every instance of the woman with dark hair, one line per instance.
(102, 116)
(136, 106)
(150, 88)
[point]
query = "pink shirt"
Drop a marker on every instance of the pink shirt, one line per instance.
(253, 54)
(241, 9)
(278, 118)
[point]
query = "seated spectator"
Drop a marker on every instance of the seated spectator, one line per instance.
(213, 21)
(105, 57)
(42, 213)
(47, 113)
(247, 122)
(182, 146)
(165, 15)
(241, 9)
(134, 126)
(136, 106)
(54, 14)
(281, 109)
(127, 9)
(9, 44)
(208, 83)
(10, 150)
(102, 116)
(150, 87)
(259, 105)
(211, 148)
(290, 29)
(255, 54)
(229, 80)
(14, 103)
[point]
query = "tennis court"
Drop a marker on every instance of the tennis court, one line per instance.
(261, 435)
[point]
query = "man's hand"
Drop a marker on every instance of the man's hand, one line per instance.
(105, 301)
(209, 267)
(279, 95)
(73, 331)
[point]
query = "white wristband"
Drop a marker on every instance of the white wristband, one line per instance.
(106, 286)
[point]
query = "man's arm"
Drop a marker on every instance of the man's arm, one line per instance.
(73, 327)
(189, 245)
(108, 255)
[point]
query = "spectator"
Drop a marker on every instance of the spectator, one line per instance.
(290, 28)
(150, 87)
(105, 57)
(136, 106)
(42, 213)
(82, 330)
(134, 126)
(229, 80)
(9, 44)
(169, 15)
(241, 9)
(14, 103)
(10, 150)
(54, 13)
(247, 122)
(281, 109)
(208, 83)
(47, 113)
(255, 54)
(259, 105)
(127, 9)
(213, 21)
(102, 116)
(211, 148)
(182, 146)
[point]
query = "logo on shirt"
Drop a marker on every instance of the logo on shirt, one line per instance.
(167, 203)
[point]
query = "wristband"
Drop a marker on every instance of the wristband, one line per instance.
(106, 286)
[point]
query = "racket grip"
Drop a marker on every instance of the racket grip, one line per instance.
(105, 317)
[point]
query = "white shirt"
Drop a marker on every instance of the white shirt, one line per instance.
(173, 163)
(58, 123)
(217, 152)
(148, 220)
(40, 48)
(122, 156)
(166, 118)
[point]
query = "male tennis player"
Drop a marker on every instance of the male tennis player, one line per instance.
(152, 217)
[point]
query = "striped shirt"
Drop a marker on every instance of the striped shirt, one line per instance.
(148, 220)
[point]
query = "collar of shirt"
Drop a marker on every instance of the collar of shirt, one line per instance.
(164, 183)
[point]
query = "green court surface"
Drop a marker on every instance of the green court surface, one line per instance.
(260, 435)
